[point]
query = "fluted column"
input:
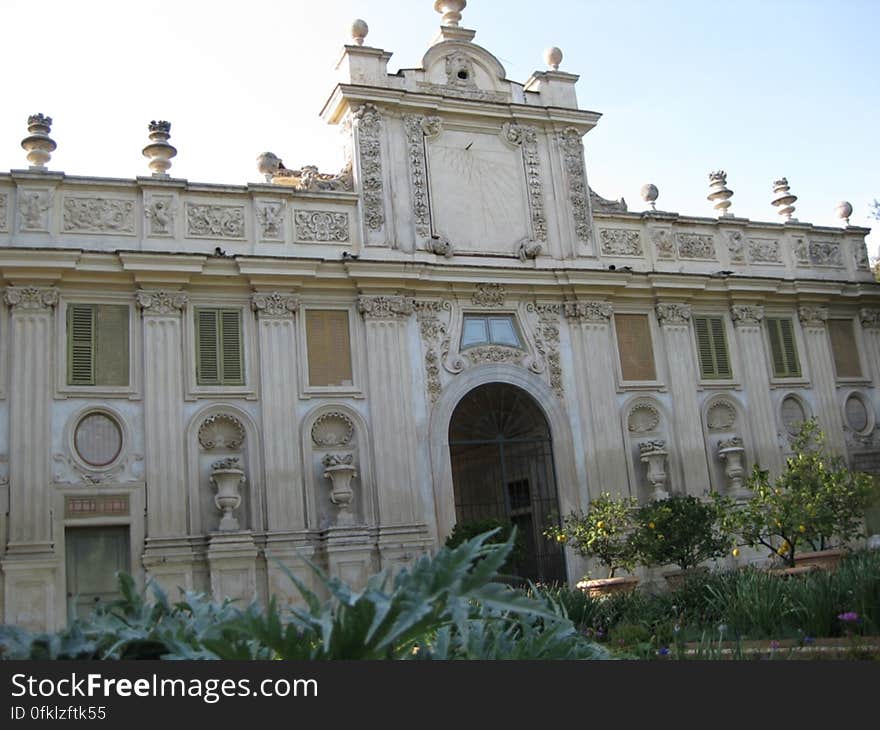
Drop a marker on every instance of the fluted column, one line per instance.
(870, 319)
(391, 411)
(163, 403)
(30, 595)
(818, 345)
(747, 319)
(278, 362)
(683, 378)
(593, 353)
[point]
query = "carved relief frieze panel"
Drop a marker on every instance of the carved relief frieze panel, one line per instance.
(546, 334)
(825, 253)
(488, 295)
(418, 127)
(369, 130)
(270, 220)
(160, 212)
(34, 208)
(572, 149)
(664, 247)
(97, 215)
(435, 341)
(764, 251)
(620, 242)
(214, 221)
(4, 215)
(860, 256)
(736, 247)
(322, 226)
(695, 246)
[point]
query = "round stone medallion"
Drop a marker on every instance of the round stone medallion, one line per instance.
(97, 439)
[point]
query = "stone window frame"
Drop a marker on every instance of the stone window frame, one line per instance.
(487, 315)
(658, 346)
(70, 437)
(858, 337)
(134, 389)
(734, 382)
(802, 380)
(357, 346)
(249, 342)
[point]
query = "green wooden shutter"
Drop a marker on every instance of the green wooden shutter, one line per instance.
(112, 344)
(232, 367)
(783, 349)
(712, 347)
(207, 351)
(81, 344)
(719, 343)
(704, 347)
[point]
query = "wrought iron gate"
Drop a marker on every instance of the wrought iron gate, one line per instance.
(502, 468)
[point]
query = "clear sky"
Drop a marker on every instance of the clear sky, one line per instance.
(759, 88)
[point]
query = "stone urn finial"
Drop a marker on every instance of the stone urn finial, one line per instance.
(650, 193)
(784, 200)
(38, 144)
(553, 57)
(359, 30)
(159, 150)
(730, 452)
(227, 476)
(340, 470)
(844, 210)
(451, 10)
(720, 194)
(653, 454)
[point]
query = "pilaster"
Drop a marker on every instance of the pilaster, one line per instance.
(747, 321)
(818, 346)
(870, 319)
(592, 350)
(682, 373)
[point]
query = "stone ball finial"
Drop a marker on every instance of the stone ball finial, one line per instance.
(359, 30)
(38, 144)
(720, 194)
(784, 199)
(451, 11)
(844, 210)
(159, 150)
(650, 193)
(553, 57)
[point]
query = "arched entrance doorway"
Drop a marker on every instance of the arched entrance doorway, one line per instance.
(502, 467)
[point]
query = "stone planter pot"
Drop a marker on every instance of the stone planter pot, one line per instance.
(227, 476)
(793, 572)
(825, 559)
(608, 586)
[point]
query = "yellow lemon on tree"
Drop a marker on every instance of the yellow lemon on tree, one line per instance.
(600, 524)
(735, 552)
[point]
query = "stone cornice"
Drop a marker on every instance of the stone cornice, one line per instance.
(31, 298)
(161, 303)
(673, 314)
(385, 307)
(275, 305)
(747, 314)
(595, 312)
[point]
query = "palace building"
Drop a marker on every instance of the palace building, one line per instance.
(200, 380)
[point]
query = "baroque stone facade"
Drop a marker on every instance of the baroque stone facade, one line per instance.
(330, 365)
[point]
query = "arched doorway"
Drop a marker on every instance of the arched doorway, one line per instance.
(502, 467)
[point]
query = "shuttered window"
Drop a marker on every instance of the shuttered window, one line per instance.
(98, 344)
(635, 347)
(783, 350)
(712, 347)
(329, 346)
(843, 347)
(219, 351)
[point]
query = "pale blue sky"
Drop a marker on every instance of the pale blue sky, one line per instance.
(760, 89)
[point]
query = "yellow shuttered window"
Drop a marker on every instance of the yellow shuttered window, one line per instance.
(98, 344)
(635, 347)
(329, 347)
(844, 349)
(712, 347)
(783, 351)
(219, 351)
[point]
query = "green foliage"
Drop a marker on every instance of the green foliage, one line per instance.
(816, 501)
(683, 530)
(445, 607)
(603, 532)
(501, 529)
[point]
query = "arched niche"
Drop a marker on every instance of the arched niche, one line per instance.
(724, 419)
(216, 432)
(335, 430)
(571, 494)
(645, 419)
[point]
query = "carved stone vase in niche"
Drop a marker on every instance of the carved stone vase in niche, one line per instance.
(340, 470)
(227, 476)
(731, 452)
(653, 454)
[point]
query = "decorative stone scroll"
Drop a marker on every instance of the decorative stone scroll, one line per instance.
(31, 298)
(436, 342)
(813, 316)
(4, 206)
(620, 242)
(160, 303)
(275, 304)
(747, 315)
(214, 221)
(527, 138)
(97, 215)
(695, 246)
(489, 295)
(221, 431)
(369, 129)
(673, 314)
(578, 193)
(417, 128)
(591, 312)
(493, 354)
(547, 342)
(385, 307)
(332, 429)
(322, 226)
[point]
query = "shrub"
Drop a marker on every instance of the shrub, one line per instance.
(501, 529)
(682, 530)
(604, 532)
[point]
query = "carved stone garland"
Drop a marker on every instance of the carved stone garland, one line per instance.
(547, 342)
(417, 128)
(573, 159)
(435, 340)
(370, 142)
(527, 138)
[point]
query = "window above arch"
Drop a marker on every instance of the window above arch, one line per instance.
(495, 329)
